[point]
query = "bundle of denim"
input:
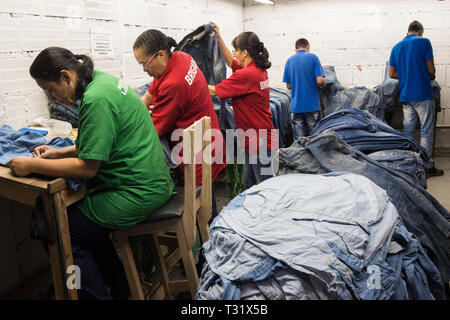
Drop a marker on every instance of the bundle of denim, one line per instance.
(388, 91)
(301, 236)
(280, 105)
(64, 113)
(21, 144)
(335, 97)
(420, 212)
(202, 44)
(367, 133)
(404, 161)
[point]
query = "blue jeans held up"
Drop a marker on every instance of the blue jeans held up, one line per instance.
(303, 124)
(424, 112)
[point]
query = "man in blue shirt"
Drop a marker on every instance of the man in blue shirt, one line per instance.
(303, 75)
(412, 63)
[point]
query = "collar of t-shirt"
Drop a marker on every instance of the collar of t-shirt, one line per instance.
(236, 66)
(413, 35)
(169, 67)
(301, 50)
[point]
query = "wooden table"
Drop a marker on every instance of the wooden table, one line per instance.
(57, 196)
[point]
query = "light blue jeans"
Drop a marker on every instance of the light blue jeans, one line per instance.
(424, 112)
(303, 124)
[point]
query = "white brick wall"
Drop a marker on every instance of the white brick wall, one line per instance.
(28, 26)
(350, 33)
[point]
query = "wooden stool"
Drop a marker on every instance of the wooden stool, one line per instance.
(192, 205)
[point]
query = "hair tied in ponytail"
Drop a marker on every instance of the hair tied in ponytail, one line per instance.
(260, 47)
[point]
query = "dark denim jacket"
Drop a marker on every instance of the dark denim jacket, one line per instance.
(203, 46)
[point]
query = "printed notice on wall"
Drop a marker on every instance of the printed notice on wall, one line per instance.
(101, 44)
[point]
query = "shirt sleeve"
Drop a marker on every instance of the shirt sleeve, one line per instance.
(167, 108)
(235, 85)
(318, 71)
(97, 131)
(428, 51)
(286, 77)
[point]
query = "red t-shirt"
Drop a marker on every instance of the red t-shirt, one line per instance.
(180, 97)
(249, 89)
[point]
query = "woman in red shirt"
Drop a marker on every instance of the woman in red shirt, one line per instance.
(179, 95)
(248, 87)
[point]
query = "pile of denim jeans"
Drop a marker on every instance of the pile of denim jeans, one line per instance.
(335, 97)
(420, 212)
(388, 91)
(312, 236)
(21, 144)
(367, 133)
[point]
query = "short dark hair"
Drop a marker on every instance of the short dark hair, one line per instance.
(301, 43)
(415, 26)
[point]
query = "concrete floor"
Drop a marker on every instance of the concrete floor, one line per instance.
(439, 187)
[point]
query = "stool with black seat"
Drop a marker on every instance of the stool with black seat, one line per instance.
(188, 209)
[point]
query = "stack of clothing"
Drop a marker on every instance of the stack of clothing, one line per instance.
(367, 133)
(420, 212)
(303, 236)
(335, 97)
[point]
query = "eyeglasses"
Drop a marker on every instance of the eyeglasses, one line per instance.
(150, 60)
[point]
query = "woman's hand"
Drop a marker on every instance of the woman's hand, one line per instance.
(212, 90)
(45, 152)
(21, 166)
(215, 29)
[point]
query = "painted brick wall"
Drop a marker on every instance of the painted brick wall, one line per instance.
(28, 26)
(352, 33)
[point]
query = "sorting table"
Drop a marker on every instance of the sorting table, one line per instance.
(56, 196)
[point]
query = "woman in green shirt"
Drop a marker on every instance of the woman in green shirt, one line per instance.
(117, 149)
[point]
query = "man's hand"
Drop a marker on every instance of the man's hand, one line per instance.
(20, 166)
(45, 152)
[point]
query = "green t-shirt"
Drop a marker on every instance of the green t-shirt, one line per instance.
(133, 179)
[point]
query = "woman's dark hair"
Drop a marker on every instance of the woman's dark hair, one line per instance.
(49, 62)
(249, 41)
(153, 40)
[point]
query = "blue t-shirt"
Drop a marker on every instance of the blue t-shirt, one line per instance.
(301, 71)
(409, 57)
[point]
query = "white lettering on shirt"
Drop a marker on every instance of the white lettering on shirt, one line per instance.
(264, 84)
(192, 73)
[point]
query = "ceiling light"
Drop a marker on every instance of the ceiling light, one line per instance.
(264, 1)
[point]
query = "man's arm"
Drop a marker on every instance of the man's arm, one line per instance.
(431, 69)
(147, 98)
(288, 85)
(321, 82)
(392, 73)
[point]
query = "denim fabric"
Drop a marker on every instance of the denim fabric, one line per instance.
(335, 97)
(280, 106)
(21, 144)
(203, 46)
(421, 277)
(303, 124)
(309, 237)
(367, 133)
(257, 168)
(403, 161)
(421, 213)
(64, 113)
(424, 112)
